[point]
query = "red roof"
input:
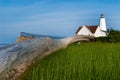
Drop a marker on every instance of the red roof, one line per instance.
(91, 28)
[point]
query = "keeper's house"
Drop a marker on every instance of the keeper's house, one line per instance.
(96, 30)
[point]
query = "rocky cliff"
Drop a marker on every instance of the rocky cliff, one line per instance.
(27, 36)
(21, 38)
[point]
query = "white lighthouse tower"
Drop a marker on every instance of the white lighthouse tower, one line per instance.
(102, 23)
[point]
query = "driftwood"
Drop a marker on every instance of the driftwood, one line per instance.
(17, 57)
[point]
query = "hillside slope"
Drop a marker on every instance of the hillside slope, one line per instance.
(87, 61)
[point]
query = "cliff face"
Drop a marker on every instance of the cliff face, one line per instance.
(21, 38)
(27, 36)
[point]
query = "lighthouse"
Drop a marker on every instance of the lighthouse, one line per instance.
(102, 23)
(99, 30)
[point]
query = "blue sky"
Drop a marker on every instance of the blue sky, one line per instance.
(54, 17)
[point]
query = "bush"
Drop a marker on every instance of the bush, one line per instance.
(114, 36)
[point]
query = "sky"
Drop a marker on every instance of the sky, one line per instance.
(54, 17)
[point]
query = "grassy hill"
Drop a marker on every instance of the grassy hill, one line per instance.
(85, 61)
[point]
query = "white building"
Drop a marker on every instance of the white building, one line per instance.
(96, 31)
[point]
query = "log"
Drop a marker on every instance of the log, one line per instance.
(27, 36)
(16, 58)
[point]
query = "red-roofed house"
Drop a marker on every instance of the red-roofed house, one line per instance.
(96, 30)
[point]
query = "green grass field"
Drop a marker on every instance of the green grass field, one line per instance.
(85, 61)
